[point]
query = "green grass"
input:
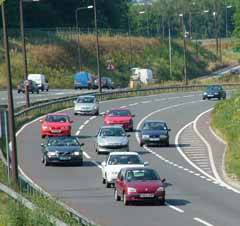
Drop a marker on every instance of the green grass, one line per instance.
(56, 56)
(226, 121)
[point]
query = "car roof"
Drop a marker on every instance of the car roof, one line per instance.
(123, 153)
(87, 96)
(155, 121)
(119, 109)
(112, 126)
(56, 113)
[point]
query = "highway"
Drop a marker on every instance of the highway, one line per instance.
(193, 199)
(19, 99)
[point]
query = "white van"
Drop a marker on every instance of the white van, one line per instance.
(143, 74)
(40, 80)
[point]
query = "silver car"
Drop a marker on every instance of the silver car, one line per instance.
(86, 105)
(112, 138)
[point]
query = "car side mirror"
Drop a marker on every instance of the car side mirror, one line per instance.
(146, 163)
(169, 130)
(163, 180)
(42, 145)
(82, 144)
(104, 163)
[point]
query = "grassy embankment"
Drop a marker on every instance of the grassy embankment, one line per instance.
(57, 58)
(226, 122)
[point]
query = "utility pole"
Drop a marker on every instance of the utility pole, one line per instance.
(184, 50)
(24, 52)
(130, 40)
(11, 122)
(170, 48)
(78, 39)
(97, 47)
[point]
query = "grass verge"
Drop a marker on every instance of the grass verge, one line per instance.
(226, 122)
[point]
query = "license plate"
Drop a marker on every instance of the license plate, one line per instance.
(154, 139)
(146, 195)
(210, 95)
(64, 158)
(56, 131)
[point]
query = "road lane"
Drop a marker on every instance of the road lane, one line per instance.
(81, 187)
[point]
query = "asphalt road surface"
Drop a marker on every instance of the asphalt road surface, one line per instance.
(192, 199)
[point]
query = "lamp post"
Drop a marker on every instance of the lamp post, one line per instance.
(170, 48)
(97, 47)
(78, 35)
(184, 50)
(226, 18)
(216, 30)
(130, 40)
(11, 123)
(148, 30)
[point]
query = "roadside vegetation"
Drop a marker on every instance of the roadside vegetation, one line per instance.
(226, 122)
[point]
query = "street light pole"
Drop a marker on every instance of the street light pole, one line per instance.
(97, 47)
(24, 51)
(11, 122)
(226, 18)
(216, 31)
(130, 40)
(170, 48)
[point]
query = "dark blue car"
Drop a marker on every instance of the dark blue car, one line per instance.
(154, 133)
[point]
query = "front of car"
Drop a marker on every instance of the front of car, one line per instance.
(214, 91)
(144, 184)
(112, 138)
(118, 160)
(56, 125)
(86, 105)
(154, 133)
(62, 150)
(120, 117)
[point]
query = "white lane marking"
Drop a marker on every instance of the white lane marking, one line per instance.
(78, 132)
(134, 104)
(175, 208)
(123, 107)
(219, 179)
(173, 98)
(189, 96)
(93, 117)
(146, 102)
(59, 93)
(81, 127)
(86, 122)
(202, 221)
(86, 155)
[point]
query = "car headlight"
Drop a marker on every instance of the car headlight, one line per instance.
(45, 127)
(216, 93)
(205, 93)
(76, 153)
(160, 189)
(124, 143)
(129, 190)
(51, 154)
(145, 136)
(95, 107)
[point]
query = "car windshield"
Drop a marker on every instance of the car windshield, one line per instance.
(63, 141)
(141, 175)
(119, 113)
(86, 100)
(57, 118)
(154, 126)
(214, 88)
(112, 132)
(124, 160)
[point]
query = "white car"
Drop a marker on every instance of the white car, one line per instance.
(116, 161)
(86, 105)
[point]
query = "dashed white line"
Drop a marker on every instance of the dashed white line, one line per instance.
(86, 155)
(202, 221)
(175, 208)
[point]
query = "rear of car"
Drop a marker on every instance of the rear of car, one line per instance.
(40, 80)
(86, 105)
(32, 87)
(83, 80)
(55, 125)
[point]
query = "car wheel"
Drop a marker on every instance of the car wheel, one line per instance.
(162, 202)
(97, 113)
(116, 196)
(125, 201)
(75, 113)
(80, 162)
(204, 98)
(37, 91)
(42, 89)
(43, 136)
(104, 181)
(108, 185)
(167, 143)
(19, 91)
(141, 144)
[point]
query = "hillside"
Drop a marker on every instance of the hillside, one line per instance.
(55, 54)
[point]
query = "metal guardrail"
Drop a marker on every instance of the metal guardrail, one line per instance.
(52, 105)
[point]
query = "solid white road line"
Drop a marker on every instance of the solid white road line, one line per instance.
(86, 155)
(175, 208)
(202, 221)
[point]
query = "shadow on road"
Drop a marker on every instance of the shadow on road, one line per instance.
(178, 202)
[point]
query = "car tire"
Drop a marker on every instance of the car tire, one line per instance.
(97, 113)
(125, 202)
(80, 162)
(204, 98)
(18, 91)
(42, 89)
(108, 185)
(104, 181)
(167, 143)
(75, 113)
(43, 136)
(116, 196)
(162, 202)
(141, 144)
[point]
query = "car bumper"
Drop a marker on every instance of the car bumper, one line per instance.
(212, 96)
(51, 134)
(108, 149)
(137, 197)
(85, 112)
(71, 160)
(155, 142)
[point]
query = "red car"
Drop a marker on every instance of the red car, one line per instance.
(139, 184)
(119, 117)
(56, 124)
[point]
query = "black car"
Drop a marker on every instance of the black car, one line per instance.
(32, 86)
(214, 91)
(154, 133)
(106, 83)
(62, 150)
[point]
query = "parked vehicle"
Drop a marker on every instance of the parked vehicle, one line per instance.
(214, 91)
(86, 105)
(83, 80)
(119, 117)
(154, 133)
(111, 138)
(235, 71)
(32, 87)
(41, 81)
(56, 124)
(139, 184)
(116, 161)
(62, 150)
(106, 83)
(143, 74)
